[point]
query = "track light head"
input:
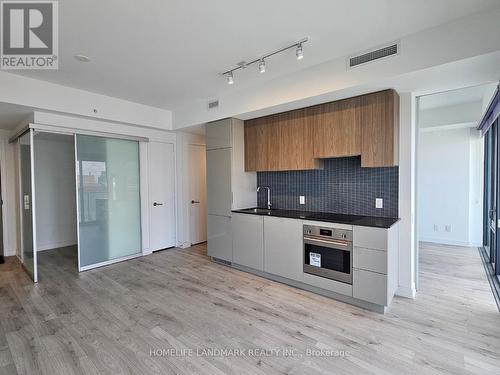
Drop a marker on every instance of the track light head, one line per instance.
(299, 52)
(262, 66)
(230, 78)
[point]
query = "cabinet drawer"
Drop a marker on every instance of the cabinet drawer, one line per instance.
(370, 238)
(331, 285)
(370, 260)
(370, 286)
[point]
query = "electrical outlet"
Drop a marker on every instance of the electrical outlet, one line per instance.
(302, 199)
(447, 228)
(379, 203)
(436, 228)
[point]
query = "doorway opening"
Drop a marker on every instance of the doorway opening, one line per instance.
(55, 203)
(451, 182)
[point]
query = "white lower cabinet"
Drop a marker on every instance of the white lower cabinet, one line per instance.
(275, 245)
(220, 240)
(370, 286)
(283, 247)
(375, 272)
(248, 240)
(370, 260)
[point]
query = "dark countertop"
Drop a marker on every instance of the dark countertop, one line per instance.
(365, 221)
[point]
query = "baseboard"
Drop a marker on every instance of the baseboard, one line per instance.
(9, 252)
(56, 245)
(407, 291)
(184, 245)
(441, 241)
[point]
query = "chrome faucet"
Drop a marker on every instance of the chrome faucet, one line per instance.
(269, 205)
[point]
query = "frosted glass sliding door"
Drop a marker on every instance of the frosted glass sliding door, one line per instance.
(109, 212)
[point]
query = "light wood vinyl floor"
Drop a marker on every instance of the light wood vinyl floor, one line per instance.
(107, 321)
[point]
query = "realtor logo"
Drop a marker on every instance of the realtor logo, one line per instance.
(29, 37)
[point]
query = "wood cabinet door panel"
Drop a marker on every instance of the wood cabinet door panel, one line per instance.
(379, 126)
(251, 146)
(296, 146)
(262, 146)
(336, 129)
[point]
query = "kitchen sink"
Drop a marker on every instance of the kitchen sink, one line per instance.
(261, 211)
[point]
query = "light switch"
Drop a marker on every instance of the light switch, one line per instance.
(379, 203)
(302, 199)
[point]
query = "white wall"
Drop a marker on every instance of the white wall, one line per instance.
(449, 186)
(451, 115)
(55, 191)
(476, 188)
(41, 95)
(408, 266)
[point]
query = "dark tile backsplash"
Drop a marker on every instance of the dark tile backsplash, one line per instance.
(341, 187)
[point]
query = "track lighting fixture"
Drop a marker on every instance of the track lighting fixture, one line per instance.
(299, 52)
(262, 66)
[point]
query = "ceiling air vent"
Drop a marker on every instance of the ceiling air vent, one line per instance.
(213, 104)
(387, 51)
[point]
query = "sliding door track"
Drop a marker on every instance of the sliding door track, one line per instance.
(492, 278)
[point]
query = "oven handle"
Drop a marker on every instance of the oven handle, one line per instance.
(331, 244)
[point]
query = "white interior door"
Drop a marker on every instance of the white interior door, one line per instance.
(28, 217)
(162, 195)
(198, 193)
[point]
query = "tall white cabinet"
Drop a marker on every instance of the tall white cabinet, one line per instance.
(229, 187)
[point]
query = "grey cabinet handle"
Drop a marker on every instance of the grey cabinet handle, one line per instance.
(157, 204)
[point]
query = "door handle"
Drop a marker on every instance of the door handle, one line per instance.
(157, 204)
(193, 202)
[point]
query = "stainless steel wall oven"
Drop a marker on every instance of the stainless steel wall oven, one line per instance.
(328, 253)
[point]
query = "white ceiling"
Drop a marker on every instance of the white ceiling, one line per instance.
(165, 52)
(455, 97)
(11, 115)
(454, 109)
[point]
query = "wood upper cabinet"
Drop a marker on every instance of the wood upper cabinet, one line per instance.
(280, 142)
(262, 144)
(367, 125)
(336, 128)
(296, 142)
(380, 129)
(251, 141)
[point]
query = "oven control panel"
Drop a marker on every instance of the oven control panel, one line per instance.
(328, 233)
